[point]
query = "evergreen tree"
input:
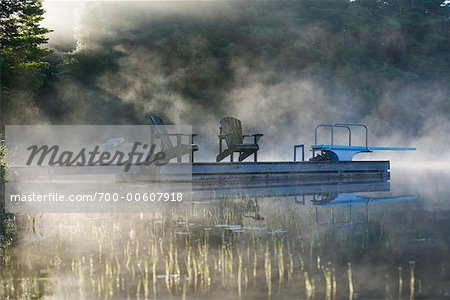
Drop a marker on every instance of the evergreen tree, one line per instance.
(22, 57)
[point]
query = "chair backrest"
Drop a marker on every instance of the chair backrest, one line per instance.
(232, 129)
(158, 126)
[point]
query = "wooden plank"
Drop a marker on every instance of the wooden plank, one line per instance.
(275, 167)
(336, 182)
(263, 171)
(318, 177)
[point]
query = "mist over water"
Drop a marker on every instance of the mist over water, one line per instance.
(281, 68)
(263, 247)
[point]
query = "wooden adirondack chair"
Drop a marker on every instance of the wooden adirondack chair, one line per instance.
(231, 132)
(159, 131)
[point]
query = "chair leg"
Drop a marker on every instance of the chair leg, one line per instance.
(223, 155)
(179, 159)
(244, 154)
(191, 153)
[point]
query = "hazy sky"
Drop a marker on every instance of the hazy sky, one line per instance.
(61, 16)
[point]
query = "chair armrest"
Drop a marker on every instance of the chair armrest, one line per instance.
(177, 134)
(256, 136)
(191, 135)
(179, 137)
(250, 135)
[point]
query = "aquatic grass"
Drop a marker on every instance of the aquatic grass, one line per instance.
(400, 282)
(327, 274)
(188, 262)
(196, 271)
(350, 282)
(333, 276)
(291, 262)
(167, 275)
(229, 263)
(255, 259)
(185, 287)
(144, 255)
(146, 277)
(239, 272)
(308, 285)
(280, 260)
(412, 279)
(154, 255)
(268, 270)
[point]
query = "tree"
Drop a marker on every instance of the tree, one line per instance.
(22, 58)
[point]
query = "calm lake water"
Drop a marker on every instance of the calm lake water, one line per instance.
(369, 244)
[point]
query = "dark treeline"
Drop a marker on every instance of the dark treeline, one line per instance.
(389, 59)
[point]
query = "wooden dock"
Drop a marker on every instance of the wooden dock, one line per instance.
(262, 172)
(198, 181)
(222, 174)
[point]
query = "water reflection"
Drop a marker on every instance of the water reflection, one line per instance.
(347, 240)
